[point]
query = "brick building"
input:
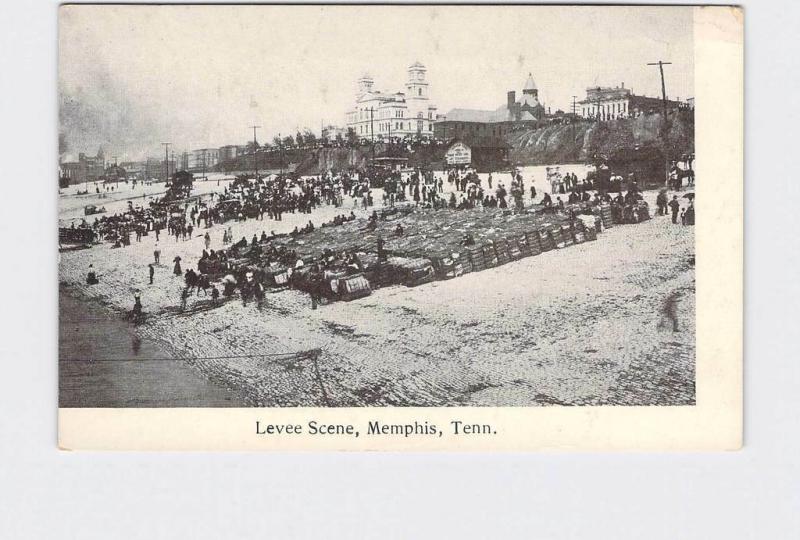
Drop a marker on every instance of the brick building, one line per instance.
(481, 124)
(609, 103)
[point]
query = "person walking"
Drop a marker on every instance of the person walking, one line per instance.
(661, 203)
(315, 286)
(184, 298)
(157, 254)
(152, 272)
(177, 269)
(674, 206)
(207, 238)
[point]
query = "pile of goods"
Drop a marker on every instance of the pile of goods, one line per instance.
(412, 246)
(79, 236)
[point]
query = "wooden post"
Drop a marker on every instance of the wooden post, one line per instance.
(664, 123)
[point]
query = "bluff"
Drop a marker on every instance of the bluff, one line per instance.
(582, 141)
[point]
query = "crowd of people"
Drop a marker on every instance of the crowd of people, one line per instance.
(248, 266)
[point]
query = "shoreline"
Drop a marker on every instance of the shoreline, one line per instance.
(92, 352)
(539, 331)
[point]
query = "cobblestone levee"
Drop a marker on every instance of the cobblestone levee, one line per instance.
(585, 325)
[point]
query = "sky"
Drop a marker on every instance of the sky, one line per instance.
(131, 77)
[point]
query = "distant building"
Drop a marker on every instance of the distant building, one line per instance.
(331, 132)
(134, 169)
(609, 103)
(203, 158)
(228, 152)
(86, 169)
(396, 114)
(115, 173)
(475, 123)
(154, 168)
(70, 173)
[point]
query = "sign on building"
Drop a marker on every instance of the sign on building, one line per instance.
(459, 154)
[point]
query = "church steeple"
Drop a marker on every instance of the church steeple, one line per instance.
(530, 86)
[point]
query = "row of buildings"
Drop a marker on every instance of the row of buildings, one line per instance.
(379, 115)
(95, 168)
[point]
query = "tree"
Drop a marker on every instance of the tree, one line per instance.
(276, 141)
(288, 142)
(339, 139)
(309, 137)
(251, 147)
(299, 139)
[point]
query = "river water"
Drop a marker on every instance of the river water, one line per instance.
(104, 363)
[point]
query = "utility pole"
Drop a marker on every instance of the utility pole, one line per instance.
(280, 152)
(598, 112)
(255, 150)
(572, 120)
(664, 125)
(166, 160)
(372, 133)
(204, 164)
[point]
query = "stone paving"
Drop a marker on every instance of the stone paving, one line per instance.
(585, 325)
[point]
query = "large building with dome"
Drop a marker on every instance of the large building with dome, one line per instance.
(382, 114)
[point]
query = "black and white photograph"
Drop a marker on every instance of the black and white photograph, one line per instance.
(368, 207)
(399, 271)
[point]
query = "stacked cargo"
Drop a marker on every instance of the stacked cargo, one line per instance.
(448, 265)
(578, 232)
(546, 241)
(533, 242)
(606, 215)
(515, 248)
(476, 258)
(501, 249)
(422, 245)
(555, 234)
(566, 236)
(489, 255)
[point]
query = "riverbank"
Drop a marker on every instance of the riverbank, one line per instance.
(586, 325)
(104, 362)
